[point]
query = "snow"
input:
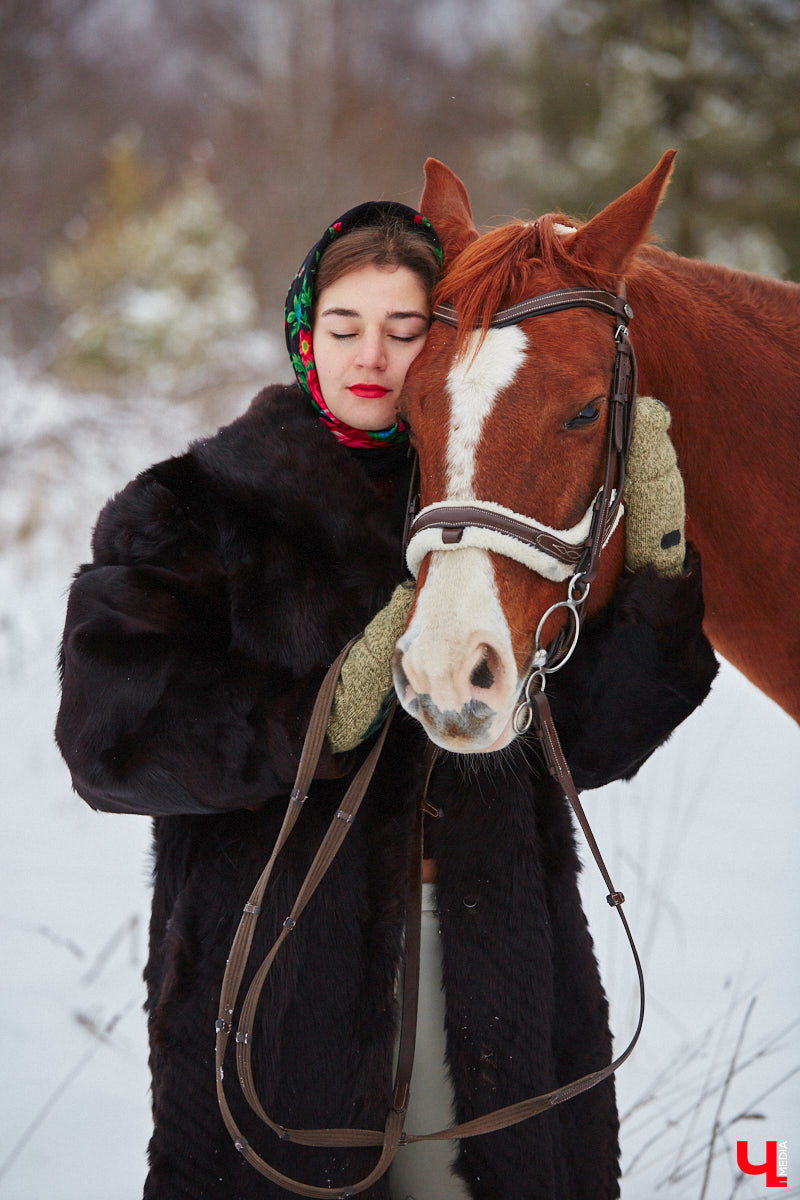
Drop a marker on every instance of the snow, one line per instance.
(74, 894)
(702, 843)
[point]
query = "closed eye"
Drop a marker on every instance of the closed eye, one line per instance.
(587, 416)
(394, 337)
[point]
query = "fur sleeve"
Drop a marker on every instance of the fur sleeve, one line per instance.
(641, 666)
(162, 712)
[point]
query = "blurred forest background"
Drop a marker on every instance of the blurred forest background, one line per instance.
(164, 167)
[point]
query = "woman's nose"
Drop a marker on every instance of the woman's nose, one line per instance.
(371, 352)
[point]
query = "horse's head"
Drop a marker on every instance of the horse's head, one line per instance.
(513, 420)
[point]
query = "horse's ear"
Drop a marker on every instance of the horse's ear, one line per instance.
(446, 205)
(610, 239)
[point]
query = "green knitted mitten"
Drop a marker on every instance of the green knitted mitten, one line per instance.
(366, 679)
(654, 503)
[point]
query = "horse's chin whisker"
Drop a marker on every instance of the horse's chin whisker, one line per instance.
(509, 759)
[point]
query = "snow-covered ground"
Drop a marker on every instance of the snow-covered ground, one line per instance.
(703, 843)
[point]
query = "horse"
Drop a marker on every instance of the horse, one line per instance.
(511, 417)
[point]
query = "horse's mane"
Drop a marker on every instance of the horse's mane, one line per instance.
(495, 269)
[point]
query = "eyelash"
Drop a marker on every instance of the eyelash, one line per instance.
(587, 416)
(395, 337)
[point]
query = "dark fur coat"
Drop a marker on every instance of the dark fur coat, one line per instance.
(223, 583)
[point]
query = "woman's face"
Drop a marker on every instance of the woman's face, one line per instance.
(369, 326)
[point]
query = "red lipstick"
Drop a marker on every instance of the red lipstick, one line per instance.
(368, 391)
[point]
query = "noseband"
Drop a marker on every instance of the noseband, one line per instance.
(560, 554)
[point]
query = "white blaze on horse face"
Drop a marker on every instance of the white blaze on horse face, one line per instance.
(455, 668)
(473, 384)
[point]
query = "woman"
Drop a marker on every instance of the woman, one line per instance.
(223, 583)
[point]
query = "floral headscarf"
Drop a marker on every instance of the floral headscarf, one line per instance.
(299, 302)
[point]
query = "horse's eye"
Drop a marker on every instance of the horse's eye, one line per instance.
(587, 416)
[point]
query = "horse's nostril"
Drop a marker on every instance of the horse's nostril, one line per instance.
(482, 676)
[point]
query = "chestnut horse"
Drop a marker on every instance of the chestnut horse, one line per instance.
(516, 417)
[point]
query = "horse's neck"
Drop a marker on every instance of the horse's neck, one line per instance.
(722, 349)
(729, 329)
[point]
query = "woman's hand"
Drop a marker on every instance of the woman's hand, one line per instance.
(366, 680)
(654, 502)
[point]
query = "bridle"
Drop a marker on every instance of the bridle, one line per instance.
(579, 554)
(567, 554)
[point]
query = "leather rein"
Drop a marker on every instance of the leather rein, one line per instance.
(537, 713)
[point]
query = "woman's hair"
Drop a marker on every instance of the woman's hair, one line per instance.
(389, 243)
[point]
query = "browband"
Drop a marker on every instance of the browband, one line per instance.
(548, 302)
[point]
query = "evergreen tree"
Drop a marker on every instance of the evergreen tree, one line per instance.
(607, 87)
(150, 285)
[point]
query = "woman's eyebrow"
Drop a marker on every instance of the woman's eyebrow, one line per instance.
(339, 312)
(400, 315)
